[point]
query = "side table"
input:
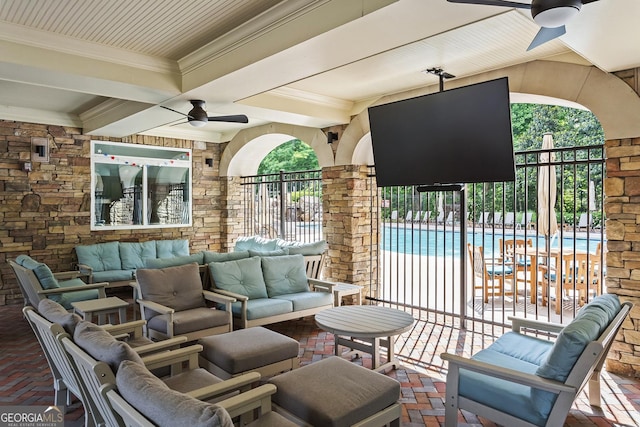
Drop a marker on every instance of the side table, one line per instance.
(102, 307)
(344, 289)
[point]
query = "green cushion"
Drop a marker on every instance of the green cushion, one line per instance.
(42, 271)
(163, 406)
(113, 275)
(102, 346)
(210, 256)
(172, 262)
(134, 254)
(313, 248)
(101, 256)
(284, 275)
(256, 243)
(243, 276)
(276, 252)
(307, 300)
(172, 248)
(66, 299)
(263, 307)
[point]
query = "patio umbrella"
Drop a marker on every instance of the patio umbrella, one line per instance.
(592, 196)
(547, 222)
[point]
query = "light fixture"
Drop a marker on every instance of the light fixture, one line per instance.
(554, 13)
(332, 136)
(39, 149)
(197, 115)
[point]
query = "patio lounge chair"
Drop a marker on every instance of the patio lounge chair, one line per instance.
(483, 219)
(509, 219)
(417, 216)
(426, 217)
(440, 218)
(497, 218)
(585, 222)
(409, 216)
(394, 216)
(525, 221)
(523, 380)
(37, 282)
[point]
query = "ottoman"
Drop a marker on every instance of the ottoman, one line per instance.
(335, 392)
(253, 349)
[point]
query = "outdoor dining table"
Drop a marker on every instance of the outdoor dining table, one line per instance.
(538, 257)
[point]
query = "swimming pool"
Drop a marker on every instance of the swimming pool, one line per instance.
(440, 242)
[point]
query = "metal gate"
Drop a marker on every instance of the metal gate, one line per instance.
(451, 252)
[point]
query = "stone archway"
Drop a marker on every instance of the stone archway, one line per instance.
(247, 149)
(614, 103)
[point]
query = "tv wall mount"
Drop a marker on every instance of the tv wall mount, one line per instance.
(441, 75)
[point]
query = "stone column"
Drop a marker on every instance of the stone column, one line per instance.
(347, 216)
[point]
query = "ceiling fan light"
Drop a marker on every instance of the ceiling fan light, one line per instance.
(556, 14)
(197, 123)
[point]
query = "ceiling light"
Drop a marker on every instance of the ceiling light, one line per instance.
(554, 13)
(197, 115)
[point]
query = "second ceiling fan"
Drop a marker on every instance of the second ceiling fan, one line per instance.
(550, 15)
(198, 117)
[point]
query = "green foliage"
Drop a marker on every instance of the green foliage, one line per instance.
(291, 156)
(296, 195)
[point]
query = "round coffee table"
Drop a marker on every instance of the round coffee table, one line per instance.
(366, 328)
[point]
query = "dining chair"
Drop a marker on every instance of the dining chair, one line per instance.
(576, 276)
(517, 252)
(494, 270)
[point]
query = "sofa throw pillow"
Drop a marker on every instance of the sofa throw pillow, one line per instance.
(178, 287)
(102, 346)
(55, 313)
(284, 275)
(163, 406)
(313, 248)
(210, 256)
(101, 256)
(198, 258)
(42, 271)
(134, 254)
(243, 276)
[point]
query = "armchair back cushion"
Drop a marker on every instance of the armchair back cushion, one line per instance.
(312, 248)
(55, 313)
(284, 275)
(243, 276)
(210, 256)
(175, 261)
(178, 287)
(103, 346)
(163, 406)
(101, 256)
(42, 271)
(172, 248)
(276, 252)
(255, 243)
(134, 254)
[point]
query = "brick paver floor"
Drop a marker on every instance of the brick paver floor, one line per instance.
(25, 377)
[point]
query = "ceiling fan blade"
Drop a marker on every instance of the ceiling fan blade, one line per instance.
(504, 3)
(240, 118)
(588, 1)
(175, 111)
(179, 123)
(546, 34)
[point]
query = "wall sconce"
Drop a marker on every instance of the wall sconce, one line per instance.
(40, 150)
(332, 136)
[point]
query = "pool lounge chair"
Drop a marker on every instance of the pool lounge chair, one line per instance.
(526, 221)
(409, 216)
(497, 218)
(484, 218)
(586, 221)
(426, 217)
(417, 216)
(509, 219)
(440, 218)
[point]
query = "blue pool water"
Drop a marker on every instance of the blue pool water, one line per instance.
(437, 242)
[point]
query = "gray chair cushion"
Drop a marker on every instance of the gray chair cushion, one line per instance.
(341, 394)
(55, 313)
(186, 321)
(247, 349)
(101, 345)
(243, 276)
(163, 406)
(177, 287)
(284, 275)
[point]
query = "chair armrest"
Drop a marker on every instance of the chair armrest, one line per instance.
(56, 291)
(218, 297)
(174, 358)
(125, 328)
(168, 344)
(238, 297)
(259, 397)
(241, 382)
(457, 362)
(66, 275)
(518, 323)
(322, 285)
(158, 308)
(86, 271)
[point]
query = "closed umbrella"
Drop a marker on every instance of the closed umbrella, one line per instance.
(547, 222)
(592, 196)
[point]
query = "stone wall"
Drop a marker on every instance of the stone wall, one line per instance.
(347, 224)
(622, 210)
(45, 213)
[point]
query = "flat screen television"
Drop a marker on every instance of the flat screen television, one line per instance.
(456, 136)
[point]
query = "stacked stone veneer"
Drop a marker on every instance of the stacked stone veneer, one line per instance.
(347, 225)
(46, 213)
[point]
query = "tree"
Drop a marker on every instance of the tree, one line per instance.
(291, 156)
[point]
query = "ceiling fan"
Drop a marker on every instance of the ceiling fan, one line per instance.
(550, 15)
(197, 117)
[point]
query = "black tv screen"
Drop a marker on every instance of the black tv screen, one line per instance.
(456, 136)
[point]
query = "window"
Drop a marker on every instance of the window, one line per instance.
(139, 186)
